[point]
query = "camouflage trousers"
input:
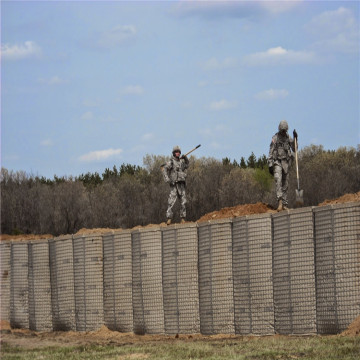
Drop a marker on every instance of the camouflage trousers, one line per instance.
(177, 191)
(282, 183)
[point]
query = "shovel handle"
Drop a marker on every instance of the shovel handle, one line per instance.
(196, 147)
(297, 166)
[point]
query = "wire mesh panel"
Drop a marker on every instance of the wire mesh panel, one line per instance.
(147, 281)
(88, 282)
(40, 316)
(19, 287)
(5, 270)
(180, 279)
(118, 314)
(337, 249)
(215, 278)
(294, 272)
(62, 283)
(252, 271)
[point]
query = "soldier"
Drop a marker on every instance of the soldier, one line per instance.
(279, 161)
(175, 171)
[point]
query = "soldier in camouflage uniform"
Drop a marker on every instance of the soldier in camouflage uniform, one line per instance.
(279, 161)
(175, 171)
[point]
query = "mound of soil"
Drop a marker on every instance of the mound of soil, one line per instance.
(342, 199)
(353, 329)
(239, 210)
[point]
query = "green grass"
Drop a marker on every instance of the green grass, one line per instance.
(242, 348)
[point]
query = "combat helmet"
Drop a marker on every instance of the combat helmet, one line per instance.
(176, 148)
(283, 125)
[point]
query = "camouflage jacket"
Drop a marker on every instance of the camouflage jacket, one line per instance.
(175, 170)
(280, 149)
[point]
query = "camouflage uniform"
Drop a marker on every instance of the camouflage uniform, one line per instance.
(175, 172)
(279, 161)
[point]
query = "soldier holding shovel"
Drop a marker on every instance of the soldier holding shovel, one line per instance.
(279, 161)
(175, 172)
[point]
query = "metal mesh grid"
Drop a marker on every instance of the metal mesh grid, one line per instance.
(337, 235)
(215, 278)
(180, 280)
(5, 270)
(147, 281)
(88, 282)
(118, 313)
(294, 272)
(40, 316)
(19, 289)
(62, 283)
(252, 268)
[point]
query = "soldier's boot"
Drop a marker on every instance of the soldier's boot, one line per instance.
(280, 206)
(182, 221)
(168, 222)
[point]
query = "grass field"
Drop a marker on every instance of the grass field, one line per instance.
(261, 348)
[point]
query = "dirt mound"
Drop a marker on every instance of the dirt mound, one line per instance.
(26, 237)
(342, 199)
(353, 329)
(239, 210)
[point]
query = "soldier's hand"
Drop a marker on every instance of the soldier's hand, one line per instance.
(295, 134)
(271, 170)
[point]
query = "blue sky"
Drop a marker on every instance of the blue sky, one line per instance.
(86, 85)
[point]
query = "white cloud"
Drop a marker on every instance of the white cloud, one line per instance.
(54, 80)
(87, 116)
(148, 137)
(17, 52)
(272, 94)
(116, 36)
(231, 8)
(222, 105)
(101, 155)
(133, 90)
(336, 30)
(215, 64)
(46, 142)
(280, 56)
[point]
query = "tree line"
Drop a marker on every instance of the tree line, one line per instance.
(130, 195)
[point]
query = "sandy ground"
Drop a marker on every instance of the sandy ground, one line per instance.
(31, 339)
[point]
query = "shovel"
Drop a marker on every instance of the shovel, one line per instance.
(299, 200)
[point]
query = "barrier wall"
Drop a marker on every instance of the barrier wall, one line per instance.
(40, 313)
(180, 279)
(19, 286)
(253, 281)
(118, 310)
(88, 282)
(62, 283)
(5, 271)
(337, 249)
(293, 272)
(147, 289)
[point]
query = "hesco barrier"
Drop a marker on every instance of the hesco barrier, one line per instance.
(293, 272)
(118, 310)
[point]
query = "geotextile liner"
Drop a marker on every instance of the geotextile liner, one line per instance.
(252, 271)
(19, 288)
(147, 288)
(40, 313)
(337, 258)
(294, 272)
(88, 282)
(118, 313)
(62, 283)
(180, 279)
(5, 270)
(216, 299)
